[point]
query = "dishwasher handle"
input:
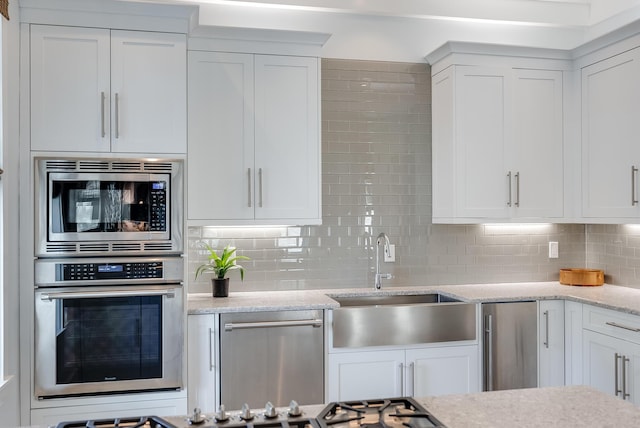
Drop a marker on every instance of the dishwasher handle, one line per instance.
(268, 324)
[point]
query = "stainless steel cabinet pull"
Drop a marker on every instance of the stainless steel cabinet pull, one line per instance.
(102, 99)
(509, 187)
(634, 196)
(488, 333)
(546, 329)
(266, 324)
(249, 185)
(412, 367)
(210, 349)
(625, 394)
(616, 371)
(625, 327)
(103, 294)
(401, 378)
(517, 204)
(260, 180)
(117, 114)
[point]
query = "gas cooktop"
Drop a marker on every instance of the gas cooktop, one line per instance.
(384, 413)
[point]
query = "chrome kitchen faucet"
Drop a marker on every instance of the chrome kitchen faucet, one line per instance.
(378, 277)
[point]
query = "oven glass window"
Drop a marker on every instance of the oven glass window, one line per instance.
(108, 206)
(115, 338)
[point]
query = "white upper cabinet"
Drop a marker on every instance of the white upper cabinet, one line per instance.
(610, 132)
(497, 144)
(98, 90)
(254, 139)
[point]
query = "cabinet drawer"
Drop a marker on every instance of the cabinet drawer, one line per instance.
(613, 323)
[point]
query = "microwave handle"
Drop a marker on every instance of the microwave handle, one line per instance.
(100, 294)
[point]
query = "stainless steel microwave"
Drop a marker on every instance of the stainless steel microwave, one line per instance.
(108, 207)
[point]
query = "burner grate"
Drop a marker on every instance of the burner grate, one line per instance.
(133, 422)
(385, 413)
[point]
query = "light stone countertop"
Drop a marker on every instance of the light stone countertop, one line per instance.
(561, 407)
(615, 297)
(551, 407)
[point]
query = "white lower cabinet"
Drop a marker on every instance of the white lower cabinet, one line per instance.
(403, 372)
(202, 362)
(611, 352)
(551, 343)
(612, 365)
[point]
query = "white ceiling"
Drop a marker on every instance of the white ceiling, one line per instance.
(406, 30)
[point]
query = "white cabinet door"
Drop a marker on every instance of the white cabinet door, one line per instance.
(254, 139)
(610, 129)
(148, 92)
(221, 137)
(97, 90)
(365, 375)
(551, 343)
(481, 171)
(497, 144)
(287, 137)
(536, 144)
(612, 365)
(70, 88)
(443, 370)
(201, 362)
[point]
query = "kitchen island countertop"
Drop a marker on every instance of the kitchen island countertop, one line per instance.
(561, 407)
(615, 297)
(551, 407)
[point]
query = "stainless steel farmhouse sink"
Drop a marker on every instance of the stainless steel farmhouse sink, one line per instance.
(386, 320)
(393, 299)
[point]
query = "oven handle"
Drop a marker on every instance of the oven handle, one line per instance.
(98, 294)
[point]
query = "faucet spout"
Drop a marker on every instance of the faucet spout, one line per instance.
(382, 239)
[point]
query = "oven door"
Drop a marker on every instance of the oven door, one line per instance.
(96, 340)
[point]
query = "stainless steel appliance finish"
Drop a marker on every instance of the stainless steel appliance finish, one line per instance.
(276, 356)
(383, 413)
(108, 271)
(101, 206)
(92, 338)
(405, 324)
(510, 345)
(66, 348)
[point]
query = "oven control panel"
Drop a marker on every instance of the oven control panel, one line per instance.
(102, 271)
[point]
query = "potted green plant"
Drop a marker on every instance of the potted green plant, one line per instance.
(220, 265)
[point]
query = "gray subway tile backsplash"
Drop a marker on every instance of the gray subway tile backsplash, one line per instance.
(376, 175)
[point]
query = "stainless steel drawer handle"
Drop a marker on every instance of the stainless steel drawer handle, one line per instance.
(517, 176)
(625, 327)
(103, 294)
(211, 366)
(509, 188)
(249, 187)
(625, 394)
(488, 334)
(102, 99)
(267, 324)
(117, 114)
(546, 328)
(634, 196)
(260, 180)
(616, 370)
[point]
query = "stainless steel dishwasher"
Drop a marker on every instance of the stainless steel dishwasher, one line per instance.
(271, 356)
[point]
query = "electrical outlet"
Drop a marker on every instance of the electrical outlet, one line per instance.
(390, 253)
(553, 250)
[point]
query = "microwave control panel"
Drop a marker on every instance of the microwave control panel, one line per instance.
(102, 271)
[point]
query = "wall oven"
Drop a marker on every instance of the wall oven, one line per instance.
(108, 206)
(108, 325)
